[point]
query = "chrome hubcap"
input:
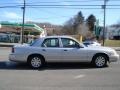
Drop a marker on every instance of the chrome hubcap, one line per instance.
(100, 61)
(36, 62)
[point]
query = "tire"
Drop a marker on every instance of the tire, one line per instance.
(100, 61)
(36, 62)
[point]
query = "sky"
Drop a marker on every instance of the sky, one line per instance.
(58, 11)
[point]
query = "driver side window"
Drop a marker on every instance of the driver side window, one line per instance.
(69, 43)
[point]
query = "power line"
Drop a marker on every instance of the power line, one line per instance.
(62, 6)
(71, 1)
(55, 5)
(67, 1)
(57, 1)
(72, 8)
(70, 5)
(63, 1)
(10, 6)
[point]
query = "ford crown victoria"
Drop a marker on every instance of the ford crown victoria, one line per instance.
(61, 49)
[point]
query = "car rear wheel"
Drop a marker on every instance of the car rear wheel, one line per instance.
(100, 61)
(36, 62)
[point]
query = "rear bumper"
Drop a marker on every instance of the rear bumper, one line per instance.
(12, 57)
(16, 58)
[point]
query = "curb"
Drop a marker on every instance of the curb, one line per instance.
(117, 49)
(6, 45)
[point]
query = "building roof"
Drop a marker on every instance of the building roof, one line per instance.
(34, 26)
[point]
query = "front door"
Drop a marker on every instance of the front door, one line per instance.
(72, 52)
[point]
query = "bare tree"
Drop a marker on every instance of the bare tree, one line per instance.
(73, 25)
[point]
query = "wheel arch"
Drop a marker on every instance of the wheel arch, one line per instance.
(35, 54)
(100, 54)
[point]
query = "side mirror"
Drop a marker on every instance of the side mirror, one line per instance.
(79, 46)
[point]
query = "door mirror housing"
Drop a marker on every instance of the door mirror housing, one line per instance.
(79, 46)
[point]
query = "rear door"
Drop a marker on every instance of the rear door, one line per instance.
(51, 49)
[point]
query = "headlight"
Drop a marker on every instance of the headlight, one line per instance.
(112, 53)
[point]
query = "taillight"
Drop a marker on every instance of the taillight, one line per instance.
(13, 50)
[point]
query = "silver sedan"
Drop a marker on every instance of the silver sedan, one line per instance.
(61, 49)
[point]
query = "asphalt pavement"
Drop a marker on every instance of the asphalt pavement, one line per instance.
(14, 76)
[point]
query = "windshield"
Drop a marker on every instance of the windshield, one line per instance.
(35, 41)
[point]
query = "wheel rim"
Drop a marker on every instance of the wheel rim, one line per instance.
(100, 61)
(36, 62)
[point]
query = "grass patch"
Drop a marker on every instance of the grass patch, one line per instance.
(112, 43)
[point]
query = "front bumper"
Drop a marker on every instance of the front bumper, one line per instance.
(114, 58)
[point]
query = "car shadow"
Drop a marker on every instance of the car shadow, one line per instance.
(60, 66)
(7, 65)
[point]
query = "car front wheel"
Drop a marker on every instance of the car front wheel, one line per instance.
(100, 61)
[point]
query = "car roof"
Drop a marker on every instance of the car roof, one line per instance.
(89, 41)
(64, 36)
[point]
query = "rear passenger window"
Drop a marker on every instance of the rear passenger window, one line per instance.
(50, 42)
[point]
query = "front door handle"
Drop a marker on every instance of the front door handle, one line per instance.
(43, 50)
(65, 50)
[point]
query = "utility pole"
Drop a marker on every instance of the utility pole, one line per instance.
(23, 22)
(104, 7)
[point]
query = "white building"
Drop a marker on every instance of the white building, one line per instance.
(113, 32)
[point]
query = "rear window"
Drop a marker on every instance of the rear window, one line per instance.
(34, 42)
